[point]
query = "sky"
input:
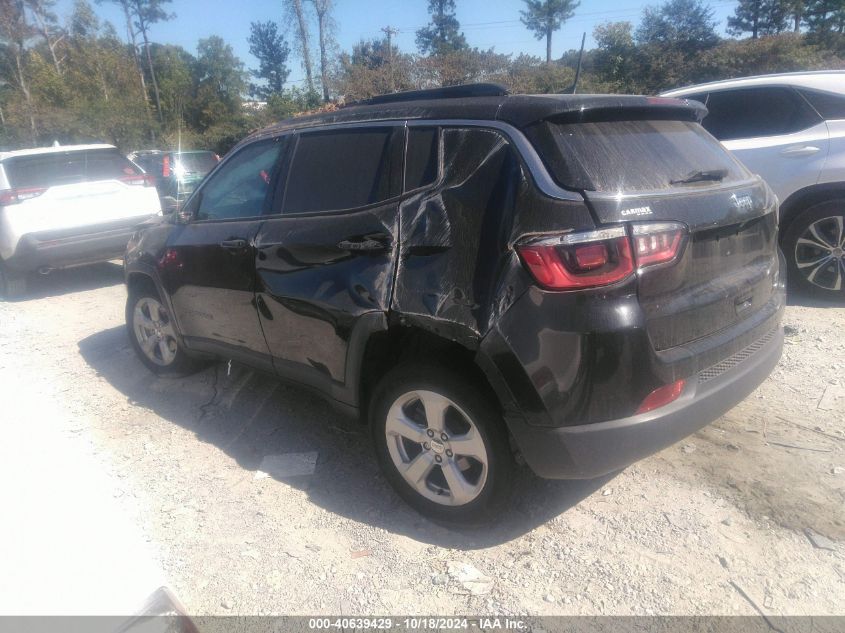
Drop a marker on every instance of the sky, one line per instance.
(485, 23)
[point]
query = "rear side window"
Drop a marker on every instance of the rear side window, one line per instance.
(753, 112)
(830, 106)
(625, 156)
(65, 168)
(422, 159)
(344, 169)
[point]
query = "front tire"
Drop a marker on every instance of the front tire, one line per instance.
(814, 245)
(152, 333)
(441, 444)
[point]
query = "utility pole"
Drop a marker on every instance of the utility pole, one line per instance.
(390, 32)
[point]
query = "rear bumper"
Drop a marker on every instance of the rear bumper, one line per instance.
(592, 450)
(72, 247)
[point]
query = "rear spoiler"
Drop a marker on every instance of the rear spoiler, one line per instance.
(588, 108)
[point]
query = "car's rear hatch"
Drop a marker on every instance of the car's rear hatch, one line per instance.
(633, 169)
(76, 188)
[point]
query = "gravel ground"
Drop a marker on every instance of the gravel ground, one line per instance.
(748, 510)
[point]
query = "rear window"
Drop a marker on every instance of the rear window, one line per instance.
(149, 163)
(64, 168)
(198, 163)
(624, 156)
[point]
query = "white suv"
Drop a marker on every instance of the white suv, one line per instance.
(67, 205)
(790, 129)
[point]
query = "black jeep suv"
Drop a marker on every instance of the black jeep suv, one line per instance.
(585, 279)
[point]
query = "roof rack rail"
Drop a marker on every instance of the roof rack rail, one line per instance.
(449, 92)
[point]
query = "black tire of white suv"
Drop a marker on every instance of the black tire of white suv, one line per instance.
(814, 245)
(12, 283)
(455, 467)
(152, 333)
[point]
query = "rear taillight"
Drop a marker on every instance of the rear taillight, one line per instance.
(15, 196)
(165, 167)
(662, 396)
(599, 258)
(656, 243)
(579, 260)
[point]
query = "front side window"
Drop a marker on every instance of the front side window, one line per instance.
(754, 112)
(239, 189)
(344, 169)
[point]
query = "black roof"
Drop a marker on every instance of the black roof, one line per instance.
(492, 103)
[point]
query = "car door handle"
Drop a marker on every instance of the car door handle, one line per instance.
(796, 151)
(234, 244)
(370, 243)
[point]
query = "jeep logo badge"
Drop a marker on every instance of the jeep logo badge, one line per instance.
(742, 203)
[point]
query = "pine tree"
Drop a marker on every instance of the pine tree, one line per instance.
(443, 35)
(760, 17)
(544, 17)
(825, 17)
(271, 50)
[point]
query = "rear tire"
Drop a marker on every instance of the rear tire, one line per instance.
(12, 283)
(153, 335)
(814, 245)
(441, 444)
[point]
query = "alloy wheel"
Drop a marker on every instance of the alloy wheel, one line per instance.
(437, 448)
(154, 331)
(820, 253)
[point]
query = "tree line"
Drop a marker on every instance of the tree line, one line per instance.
(81, 79)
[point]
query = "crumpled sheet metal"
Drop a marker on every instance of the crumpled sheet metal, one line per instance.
(458, 270)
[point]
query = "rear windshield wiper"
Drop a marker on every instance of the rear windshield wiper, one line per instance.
(714, 175)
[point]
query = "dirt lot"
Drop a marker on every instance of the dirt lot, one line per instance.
(688, 531)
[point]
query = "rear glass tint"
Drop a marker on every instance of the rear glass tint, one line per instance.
(624, 156)
(196, 163)
(64, 168)
(830, 106)
(756, 112)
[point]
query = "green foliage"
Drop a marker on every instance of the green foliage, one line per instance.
(443, 35)
(528, 74)
(617, 60)
(680, 25)
(174, 69)
(272, 51)
(216, 110)
(544, 17)
(825, 20)
(760, 17)
(373, 69)
(459, 67)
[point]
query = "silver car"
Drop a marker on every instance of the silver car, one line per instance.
(790, 129)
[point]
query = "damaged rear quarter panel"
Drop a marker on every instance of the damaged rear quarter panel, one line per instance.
(458, 271)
